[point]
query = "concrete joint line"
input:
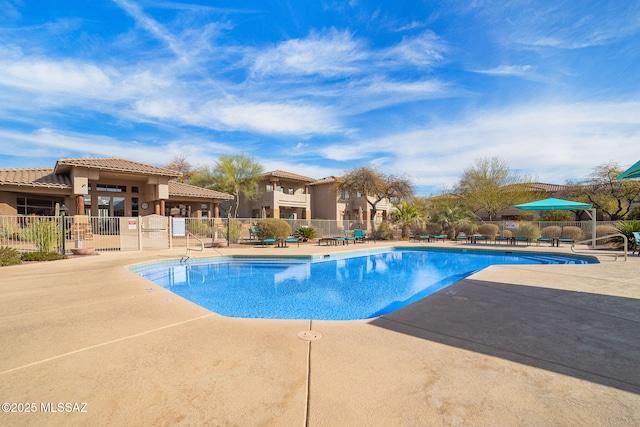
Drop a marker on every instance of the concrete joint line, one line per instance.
(80, 350)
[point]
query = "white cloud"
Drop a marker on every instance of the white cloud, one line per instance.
(424, 50)
(509, 70)
(552, 142)
(330, 54)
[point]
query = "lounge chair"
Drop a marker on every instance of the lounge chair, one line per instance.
(479, 238)
(501, 239)
(565, 240)
(253, 233)
(461, 237)
(439, 237)
(291, 240)
(515, 240)
(266, 242)
(349, 238)
(544, 240)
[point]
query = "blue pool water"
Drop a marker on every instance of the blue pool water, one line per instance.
(358, 286)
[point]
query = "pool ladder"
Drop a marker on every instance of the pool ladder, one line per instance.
(189, 249)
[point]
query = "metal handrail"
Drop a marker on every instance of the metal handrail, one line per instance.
(624, 238)
(188, 254)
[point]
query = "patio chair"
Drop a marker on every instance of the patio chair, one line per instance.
(636, 243)
(359, 235)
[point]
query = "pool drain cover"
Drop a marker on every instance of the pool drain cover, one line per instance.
(309, 335)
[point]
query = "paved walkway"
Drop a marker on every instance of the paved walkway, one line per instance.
(512, 345)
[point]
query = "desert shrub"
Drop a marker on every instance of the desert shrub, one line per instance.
(572, 232)
(9, 256)
(231, 231)
(604, 230)
(273, 228)
(9, 231)
(305, 233)
(199, 227)
(551, 231)
(506, 233)
(489, 230)
(433, 229)
(43, 233)
(627, 228)
(634, 214)
(384, 232)
(468, 229)
(530, 231)
(42, 256)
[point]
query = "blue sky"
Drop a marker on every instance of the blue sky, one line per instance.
(421, 88)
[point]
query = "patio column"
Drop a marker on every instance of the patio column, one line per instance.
(79, 204)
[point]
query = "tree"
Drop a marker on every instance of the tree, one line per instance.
(236, 175)
(452, 218)
(375, 186)
(490, 185)
(606, 193)
(406, 215)
(181, 164)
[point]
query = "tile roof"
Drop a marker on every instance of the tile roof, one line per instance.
(326, 180)
(181, 189)
(35, 177)
(287, 175)
(541, 186)
(114, 164)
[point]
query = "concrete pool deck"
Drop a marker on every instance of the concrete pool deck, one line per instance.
(542, 345)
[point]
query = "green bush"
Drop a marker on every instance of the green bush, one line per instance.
(551, 231)
(530, 231)
(273, 228)
(232, 230)
(627, 228)
(42, 256)
(43, 233)
(433, 229)
(9, 256)
(200, 227)
(634, 214)
(384, 232)
(305, 233)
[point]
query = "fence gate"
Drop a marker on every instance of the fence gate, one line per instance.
(154, 233)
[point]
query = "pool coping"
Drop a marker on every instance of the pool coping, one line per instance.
(510, 345)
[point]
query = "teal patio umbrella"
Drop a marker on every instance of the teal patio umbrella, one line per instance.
(563, 205)
(632, 172)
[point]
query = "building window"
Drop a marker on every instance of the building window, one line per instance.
(135, 189)
(291, 191)
(269, 188)
(33, 206)
(87, 205)
(135, 210)
(111, 188)
(344, 195)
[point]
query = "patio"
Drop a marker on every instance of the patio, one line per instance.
(510, 345)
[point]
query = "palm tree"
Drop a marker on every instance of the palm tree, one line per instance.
(406, 215)
(451, 219)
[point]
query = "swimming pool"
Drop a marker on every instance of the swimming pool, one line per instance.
(337, 287)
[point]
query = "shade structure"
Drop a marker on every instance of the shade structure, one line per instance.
(553, 205)
(563, 205)
(632, 172)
